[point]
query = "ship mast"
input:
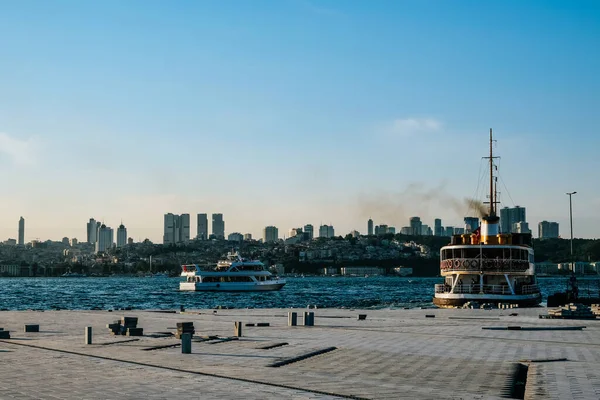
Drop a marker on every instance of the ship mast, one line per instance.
(492, 199)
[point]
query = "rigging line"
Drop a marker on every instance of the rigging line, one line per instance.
(476, 194)
(507, 192)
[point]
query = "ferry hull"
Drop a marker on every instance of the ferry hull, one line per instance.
(230, 287)
(458, 300)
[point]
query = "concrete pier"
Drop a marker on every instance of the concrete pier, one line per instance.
(394, 354)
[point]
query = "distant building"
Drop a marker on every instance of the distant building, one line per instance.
(73, 242)
(391, 229)
(355, 234)
(65, 241)
(471, 224)
(459, 231)
(218, 226)
(92, 230)
(21, 231)
(270, 234)
(235, 237)
(449, 231)
(121, 236)
(415, 226)
(247, 236)
(405, 230)
(129, 240)
(104, 238)
(176, 229)
(326, 231)
(521, 227)
(309, 231)
(426, 230)
(370, 227)
(295, 231)
(510, 216)
(381, 229)
(548, 230)
(10, 242)
(438, 230)
(202, 225)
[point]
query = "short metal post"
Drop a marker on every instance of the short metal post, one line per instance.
(306, 318)
(186, 343)
(88, 335)
(311, 318)
(237, 329)
(292, 318)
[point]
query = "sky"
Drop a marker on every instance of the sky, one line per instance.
(288, 112)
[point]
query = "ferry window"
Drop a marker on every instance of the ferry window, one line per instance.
(471, 253)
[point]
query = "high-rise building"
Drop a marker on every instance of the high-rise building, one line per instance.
(521, 227)
(202, 232)
(370, 227)
(326, 231)
(92, 231)
(235, 237)
(121, 236)
(381, 229)
(391, 230)
(309, 231)
(295, 231)
(471, 224)
(548, 230)
(104, 238)
(438, 230)
(21, 231)
(270, 234)
(415, 226)
(176, 229)
(426, 230)
(405, 230)
(218, 226)
(449, 231)
(510, 216)
(73, 242)
(247, 236)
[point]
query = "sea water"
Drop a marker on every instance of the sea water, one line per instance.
(163, 293)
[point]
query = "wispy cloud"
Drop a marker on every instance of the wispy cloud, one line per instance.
(412, 126)
(20, 152)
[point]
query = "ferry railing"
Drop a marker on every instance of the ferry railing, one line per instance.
(486, 289)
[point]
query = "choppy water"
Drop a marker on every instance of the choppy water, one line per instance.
(163, 293)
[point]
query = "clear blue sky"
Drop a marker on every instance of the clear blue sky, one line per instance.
(290, 112)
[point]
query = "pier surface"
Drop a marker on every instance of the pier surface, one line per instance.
(392, 354)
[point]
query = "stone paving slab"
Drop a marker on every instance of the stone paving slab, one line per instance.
(393, 354)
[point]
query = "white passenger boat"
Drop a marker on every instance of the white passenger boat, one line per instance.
(486, 265)
(234, 274)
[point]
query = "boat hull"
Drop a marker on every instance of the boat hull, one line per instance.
(452, 300)
(231, 286)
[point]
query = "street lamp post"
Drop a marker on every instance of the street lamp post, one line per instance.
(571, 222)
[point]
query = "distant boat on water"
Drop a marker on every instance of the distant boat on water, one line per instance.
(73, 275)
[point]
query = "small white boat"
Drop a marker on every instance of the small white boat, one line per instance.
(73, 275)
(233, 274)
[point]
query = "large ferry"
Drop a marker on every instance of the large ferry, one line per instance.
(487, 265)
(234, 274)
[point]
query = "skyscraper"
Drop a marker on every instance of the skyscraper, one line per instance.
(105, 237)
(176, 228)
(202, 232)
(326, 231)
(270, 234)
(415, 226)
(21, 232)
(438, 230)
(370, 227)
(471, 223)
(121, 236)
(309, 231)
(92, 231)
(548, 230)
(510, 216)
(218, 226)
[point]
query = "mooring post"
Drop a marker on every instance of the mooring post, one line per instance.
(88, 335)
(186, 343)
(292, 318)
(237, 329)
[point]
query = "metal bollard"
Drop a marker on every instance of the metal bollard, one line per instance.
(311, 318)
(237, 329)
(88, 335)
(306, 318)
(292, 318)
(186, 343)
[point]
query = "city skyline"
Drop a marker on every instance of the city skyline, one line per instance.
(287, 113)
